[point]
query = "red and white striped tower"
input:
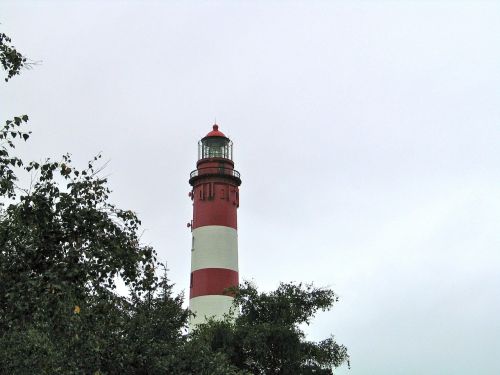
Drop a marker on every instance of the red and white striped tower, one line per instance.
(214, 250)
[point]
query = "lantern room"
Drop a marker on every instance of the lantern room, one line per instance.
(215, 145)
(215, 158)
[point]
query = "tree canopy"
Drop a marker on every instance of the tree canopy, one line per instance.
(265, 338)
(64, 245)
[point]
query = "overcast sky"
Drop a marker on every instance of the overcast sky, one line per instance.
(366, 133)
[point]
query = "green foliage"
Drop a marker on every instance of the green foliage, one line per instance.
(266, 337)
(69, 237)
(7, 162)
(62, 248)
(12, 61)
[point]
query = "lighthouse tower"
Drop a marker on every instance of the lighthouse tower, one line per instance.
(214, 250)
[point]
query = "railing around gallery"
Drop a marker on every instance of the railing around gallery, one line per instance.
(214, 171)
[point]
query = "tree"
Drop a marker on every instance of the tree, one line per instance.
(266, 337)
(63, 246)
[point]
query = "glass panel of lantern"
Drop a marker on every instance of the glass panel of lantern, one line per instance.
(215, 147)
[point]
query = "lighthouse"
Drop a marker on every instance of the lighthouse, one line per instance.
(214, 249)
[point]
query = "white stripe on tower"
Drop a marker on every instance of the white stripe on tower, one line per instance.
(211, 306)
(214, 246)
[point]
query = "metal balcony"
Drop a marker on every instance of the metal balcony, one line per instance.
(214, 171)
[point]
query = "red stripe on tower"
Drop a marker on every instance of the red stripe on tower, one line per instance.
(212, 281)
(214, 252)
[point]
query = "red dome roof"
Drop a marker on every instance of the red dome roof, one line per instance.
(215, 132)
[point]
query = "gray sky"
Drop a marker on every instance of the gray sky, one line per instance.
(366, 133)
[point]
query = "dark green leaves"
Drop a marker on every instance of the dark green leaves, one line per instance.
(266, 337)
(11, 60)
(8, 134)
